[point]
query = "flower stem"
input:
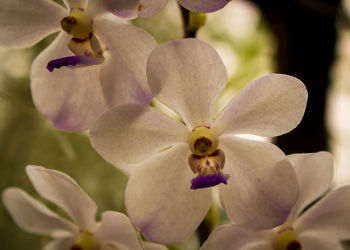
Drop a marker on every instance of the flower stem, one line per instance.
(191, 22)
(185, 14)
(208, 224)
(204, 231)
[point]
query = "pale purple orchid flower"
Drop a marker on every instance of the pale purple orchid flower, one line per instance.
(147, 8)
(171, 163)
(320, 227)
(96, 62)
(114, 231)
(203, 6)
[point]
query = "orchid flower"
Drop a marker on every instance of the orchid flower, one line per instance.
(103, 60)
(148, 8)
(115, 230)
(164, 156)
(203, 6)
(320, 227)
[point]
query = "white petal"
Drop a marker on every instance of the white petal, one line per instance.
(203, 6)
(32, 216)
(132, 133)
(318, 242)
(188, 76)
(159, 200)
(314, 173)
(71, 98)
(329, 216)
(153, 246)
(117, 228)
(62, 190)
(151, 7)
(113, 246)
(60, 244)
(272, 105)
(230, 237)
(75, 3)
(98, 7)
(23, 23)
(262, 245)
(262, 187)
(123, 75)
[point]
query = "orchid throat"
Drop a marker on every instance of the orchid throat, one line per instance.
(85, 46)
(207, 160)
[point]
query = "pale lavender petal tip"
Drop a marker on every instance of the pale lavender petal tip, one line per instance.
(204, 181)
(72, 61)
(125, 14)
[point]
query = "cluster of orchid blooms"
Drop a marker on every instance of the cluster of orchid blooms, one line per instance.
(100, 74)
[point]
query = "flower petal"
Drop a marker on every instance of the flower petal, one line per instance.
(151, 7)
(123, 75)
(99, 7)
(132, 133)
(75, 3)
(272, 105)
(23, 23)
(203, 6)
(71, 99)
(319, 242)
(314, 173)
(62, 190)
(159, 200)
(32, 216)
(60, 244)
(73, 61)
(330, 216)
(231, 237)
(262, 188)
(188, 76)
(117, 228)
(262, 245)
(153, 246)
(113, 246)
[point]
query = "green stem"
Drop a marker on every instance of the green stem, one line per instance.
(208, 224)
(204, 231)
(188, 32)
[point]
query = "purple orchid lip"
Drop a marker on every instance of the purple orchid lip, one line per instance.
(210, 180)
(72, 61)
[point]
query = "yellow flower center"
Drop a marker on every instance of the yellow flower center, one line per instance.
(286, 240)
(83, 42)
(85, 241)
(203, 141)
(78, 24)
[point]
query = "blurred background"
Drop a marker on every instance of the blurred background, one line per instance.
(309, 39)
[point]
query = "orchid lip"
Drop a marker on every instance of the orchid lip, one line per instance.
(210, 180)
(72, 61)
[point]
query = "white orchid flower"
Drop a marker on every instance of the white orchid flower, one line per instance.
(148, 8)
(320, 227)
(203, 6)
(108, 57)
(115, 230)
(163, 155)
